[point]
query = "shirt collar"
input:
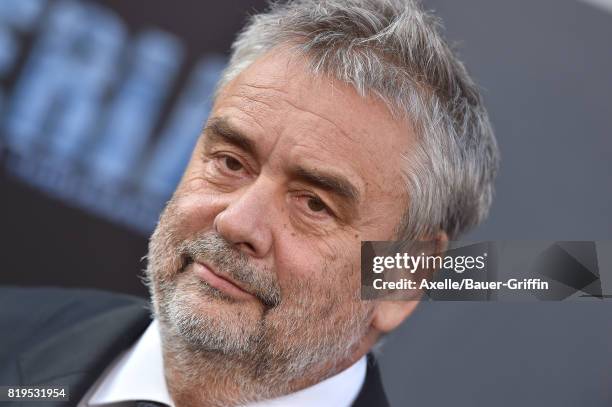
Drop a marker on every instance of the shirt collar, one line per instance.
(138, 374)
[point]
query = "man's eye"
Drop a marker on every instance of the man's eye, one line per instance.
(316, 205)
(232, 164)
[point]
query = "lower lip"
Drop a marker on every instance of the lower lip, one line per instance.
(219, 283)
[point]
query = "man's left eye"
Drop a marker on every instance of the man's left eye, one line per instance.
(232, 164)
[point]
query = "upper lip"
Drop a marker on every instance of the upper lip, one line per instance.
(225, 277)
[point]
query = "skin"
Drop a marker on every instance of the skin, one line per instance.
(301, 237)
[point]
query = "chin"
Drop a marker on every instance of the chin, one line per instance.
(207, 320)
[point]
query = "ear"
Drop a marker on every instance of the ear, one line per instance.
(441, 239)
(388, 315)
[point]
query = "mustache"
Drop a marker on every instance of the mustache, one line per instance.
(211, 248)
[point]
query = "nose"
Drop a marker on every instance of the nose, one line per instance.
(245, 220)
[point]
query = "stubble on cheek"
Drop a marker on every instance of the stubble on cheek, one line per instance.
(164, 262)
(172, 230)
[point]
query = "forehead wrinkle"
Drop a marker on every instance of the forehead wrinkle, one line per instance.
(267, 102)
(257, 97)
(259, 93)
(235, 112)
(337, 127)
(234, 119)
(287, 99)
(262, 87)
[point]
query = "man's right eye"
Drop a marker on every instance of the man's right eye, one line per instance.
(231, 163)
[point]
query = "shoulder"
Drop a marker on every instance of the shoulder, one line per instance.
(39, 303)
(60, 294)
(31, 313)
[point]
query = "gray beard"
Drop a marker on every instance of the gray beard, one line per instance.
(301, 339)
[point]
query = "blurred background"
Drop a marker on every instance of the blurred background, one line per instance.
(101, 103)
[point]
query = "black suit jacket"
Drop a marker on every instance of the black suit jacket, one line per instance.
(53, 336)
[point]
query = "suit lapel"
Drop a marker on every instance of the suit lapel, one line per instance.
(372, 393)
(76, 356)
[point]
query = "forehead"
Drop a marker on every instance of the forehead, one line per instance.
(281, 80)
(287, 109)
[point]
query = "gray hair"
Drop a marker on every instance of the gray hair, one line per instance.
(393, 49)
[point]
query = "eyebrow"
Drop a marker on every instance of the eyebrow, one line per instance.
(219, 130)
(336, 184)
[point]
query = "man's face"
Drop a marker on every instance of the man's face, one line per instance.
(257, 255)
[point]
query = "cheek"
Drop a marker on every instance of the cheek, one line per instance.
(185, 216)
(324, 263)
(192, 212)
